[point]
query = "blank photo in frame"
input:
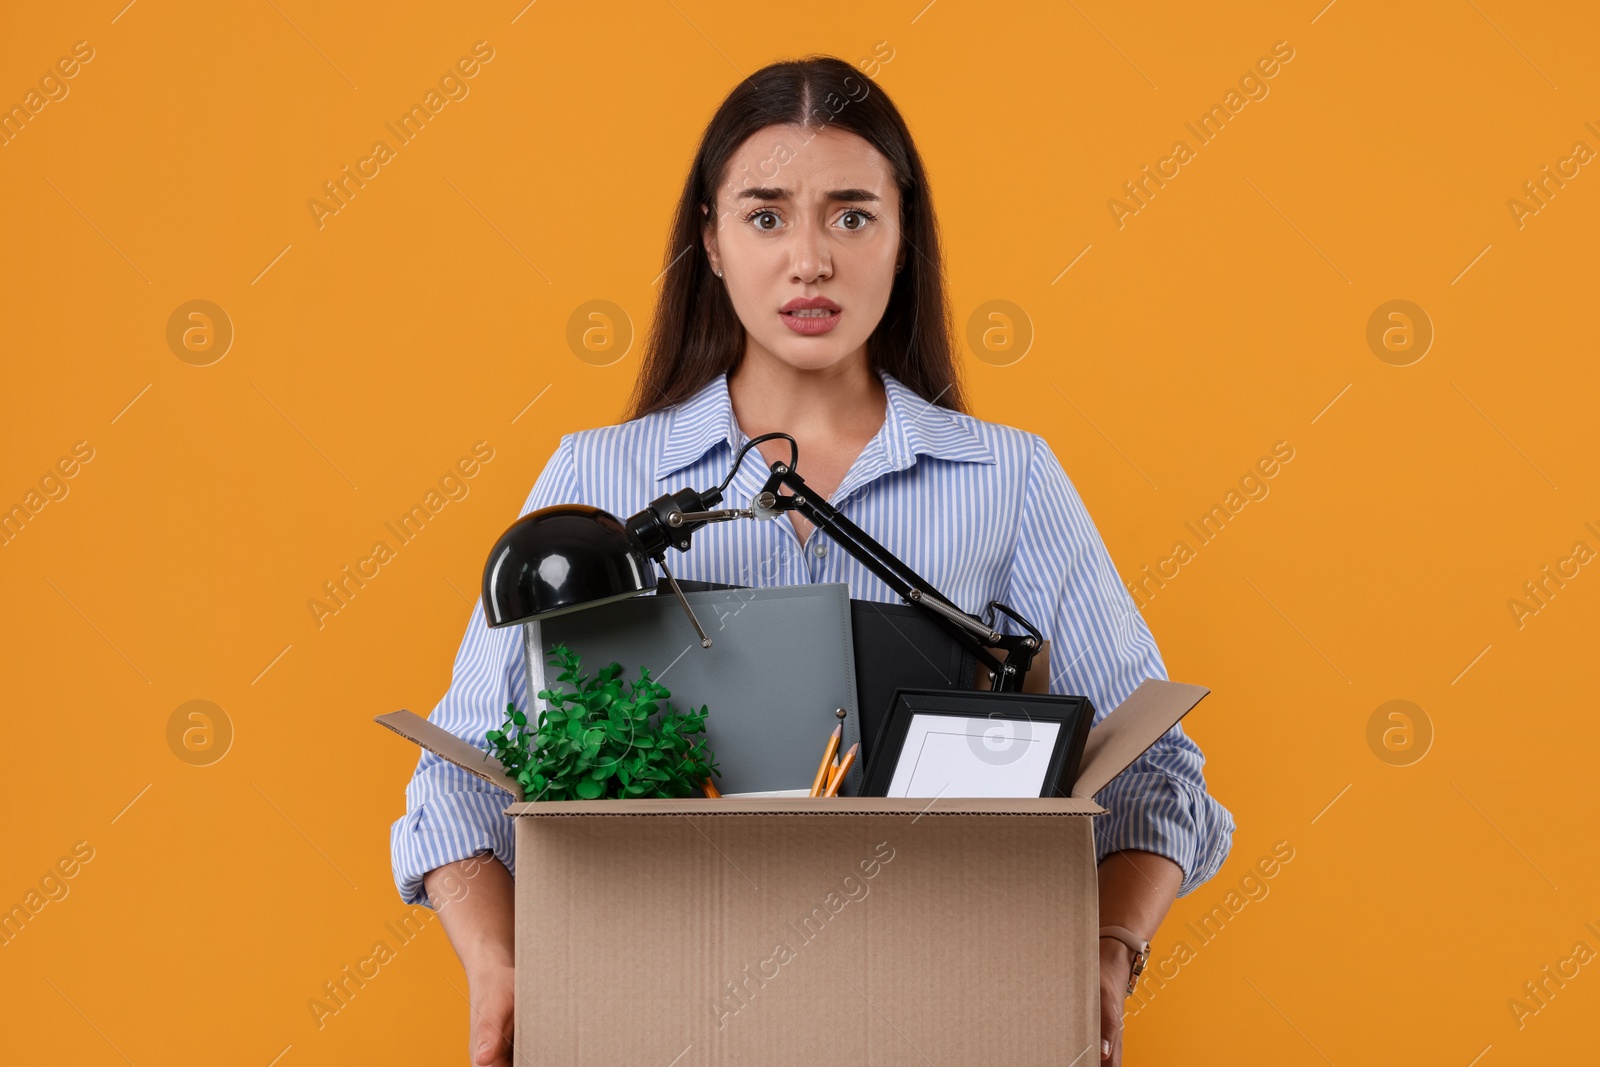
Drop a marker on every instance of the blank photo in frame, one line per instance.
(944, 743)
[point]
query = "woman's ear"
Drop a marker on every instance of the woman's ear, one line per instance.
(708, 237)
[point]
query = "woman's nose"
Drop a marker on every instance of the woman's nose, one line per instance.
(811, 259)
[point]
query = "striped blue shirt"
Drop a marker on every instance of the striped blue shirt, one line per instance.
(980, 510)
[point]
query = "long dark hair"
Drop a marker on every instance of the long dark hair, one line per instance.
(696, 334)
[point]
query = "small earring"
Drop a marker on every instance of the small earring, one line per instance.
(718, 272)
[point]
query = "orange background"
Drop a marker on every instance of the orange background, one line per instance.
(1228, 314)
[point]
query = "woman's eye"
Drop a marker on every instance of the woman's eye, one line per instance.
(852, 220)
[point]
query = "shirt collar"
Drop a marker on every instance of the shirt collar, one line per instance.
(912, 427)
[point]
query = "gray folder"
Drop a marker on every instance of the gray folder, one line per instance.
(781, 662)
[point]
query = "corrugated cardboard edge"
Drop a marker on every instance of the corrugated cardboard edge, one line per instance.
(447, 746)
(913, 807)
(1137, 723)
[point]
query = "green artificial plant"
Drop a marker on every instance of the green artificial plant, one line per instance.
(601, 742)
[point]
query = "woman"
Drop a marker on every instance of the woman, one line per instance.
(803, 293)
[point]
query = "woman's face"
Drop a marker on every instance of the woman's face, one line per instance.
(807, 217)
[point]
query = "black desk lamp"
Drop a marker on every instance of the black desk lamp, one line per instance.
(572, 556)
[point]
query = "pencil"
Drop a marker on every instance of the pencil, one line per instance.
(826, 765)
(844, 769)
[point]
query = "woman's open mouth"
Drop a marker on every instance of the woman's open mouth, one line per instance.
(810, 316)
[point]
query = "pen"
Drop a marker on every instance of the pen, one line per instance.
(826, 765)
(844, 769)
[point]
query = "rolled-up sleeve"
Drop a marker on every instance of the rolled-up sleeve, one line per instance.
(1063, 581)
(450, 814)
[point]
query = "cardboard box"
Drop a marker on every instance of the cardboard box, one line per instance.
(778, 931)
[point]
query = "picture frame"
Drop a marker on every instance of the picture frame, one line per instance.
(948, 743)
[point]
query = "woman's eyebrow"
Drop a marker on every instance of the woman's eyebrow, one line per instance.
(774, 193)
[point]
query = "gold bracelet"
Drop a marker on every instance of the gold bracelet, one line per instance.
(1138, 946)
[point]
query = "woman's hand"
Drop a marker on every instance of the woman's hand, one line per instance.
(1116, 964)
(493, 1006)
(1136, 889)
(474, 900)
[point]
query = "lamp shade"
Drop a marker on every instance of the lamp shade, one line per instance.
(562, 558)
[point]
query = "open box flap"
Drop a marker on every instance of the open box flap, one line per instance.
(1136, 724)
(447, 746)
(1120, 738)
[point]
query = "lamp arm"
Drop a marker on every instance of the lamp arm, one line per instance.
(678, 518)
(976, 635)
(669, 521)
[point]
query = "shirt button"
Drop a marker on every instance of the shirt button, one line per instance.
(820, 549)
